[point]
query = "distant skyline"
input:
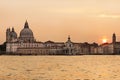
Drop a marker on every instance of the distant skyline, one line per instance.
(84, 20)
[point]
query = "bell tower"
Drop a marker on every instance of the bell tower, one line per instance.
(114, 38)
(8, 35)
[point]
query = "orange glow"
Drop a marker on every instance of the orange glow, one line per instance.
(104, 40)
(83, 20)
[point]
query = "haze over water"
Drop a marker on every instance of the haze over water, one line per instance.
(84, 20)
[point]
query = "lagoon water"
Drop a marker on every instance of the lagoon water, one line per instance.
(87, 67)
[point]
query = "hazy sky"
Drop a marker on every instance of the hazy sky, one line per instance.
(84, 20)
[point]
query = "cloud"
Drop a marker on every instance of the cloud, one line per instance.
(108, 16)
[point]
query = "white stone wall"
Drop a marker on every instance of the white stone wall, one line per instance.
(11, 47)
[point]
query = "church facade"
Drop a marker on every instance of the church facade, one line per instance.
(26, 44)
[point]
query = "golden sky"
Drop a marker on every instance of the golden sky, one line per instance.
(84, 20)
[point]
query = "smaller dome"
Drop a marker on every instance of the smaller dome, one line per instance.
(13, 34)
(69, 43)
(69, 40)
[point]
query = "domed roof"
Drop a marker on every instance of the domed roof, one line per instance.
(69, 40)
(26, 32)
(13, 34)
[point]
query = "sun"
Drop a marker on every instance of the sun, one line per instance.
(104, 40)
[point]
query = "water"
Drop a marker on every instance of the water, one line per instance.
(93, 67)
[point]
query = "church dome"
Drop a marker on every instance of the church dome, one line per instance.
(26, 34)
(13, 34)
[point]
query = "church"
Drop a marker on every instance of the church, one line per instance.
(26, 44)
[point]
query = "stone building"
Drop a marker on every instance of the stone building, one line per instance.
(26, 44)
(109, 48)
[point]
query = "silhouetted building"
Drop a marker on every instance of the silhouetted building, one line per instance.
(109, 48)
(26, 44)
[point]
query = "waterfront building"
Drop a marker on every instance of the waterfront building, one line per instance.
(26, 44)
(109, 48)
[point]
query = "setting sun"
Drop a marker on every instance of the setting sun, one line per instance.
(104, 40)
